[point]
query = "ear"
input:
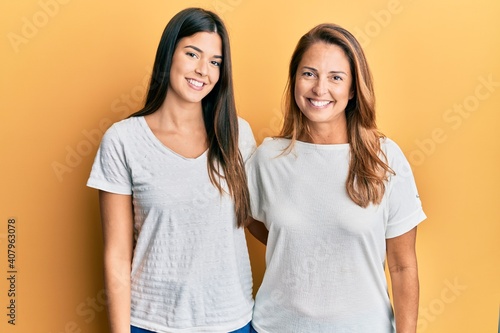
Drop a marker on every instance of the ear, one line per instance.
(351, 94)
(352, 90)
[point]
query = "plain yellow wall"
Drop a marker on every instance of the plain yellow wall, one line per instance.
(70, 68)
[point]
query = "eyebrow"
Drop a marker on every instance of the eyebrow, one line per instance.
(199, 50)
(330, 72)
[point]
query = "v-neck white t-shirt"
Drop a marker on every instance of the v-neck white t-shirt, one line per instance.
(190, 269)
(325, 255)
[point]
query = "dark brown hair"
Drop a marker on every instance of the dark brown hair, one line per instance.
(219, 110)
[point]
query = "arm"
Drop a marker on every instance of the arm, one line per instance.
(258, 230)
(402, 263)
(117, 225)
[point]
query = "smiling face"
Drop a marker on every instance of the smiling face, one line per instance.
(195, 68)
(323, 85)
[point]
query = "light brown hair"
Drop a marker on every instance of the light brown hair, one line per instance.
(368, 170)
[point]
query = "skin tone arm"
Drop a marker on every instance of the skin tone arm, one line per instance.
(117, 225)
(402, 263)
(258, 230)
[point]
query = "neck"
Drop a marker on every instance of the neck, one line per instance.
(173, 115)
(326, 133)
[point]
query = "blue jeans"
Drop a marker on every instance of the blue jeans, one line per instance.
(246, 329)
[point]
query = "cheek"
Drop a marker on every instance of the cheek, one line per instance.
(299, 90)
(176, 72)
(343, 93)
(215, 76)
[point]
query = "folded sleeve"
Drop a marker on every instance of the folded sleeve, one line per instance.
(405, 208)
(110, 171)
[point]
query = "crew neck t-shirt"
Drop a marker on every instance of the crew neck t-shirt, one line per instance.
(325, 255)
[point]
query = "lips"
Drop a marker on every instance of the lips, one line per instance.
(195, 83)
(318, 104)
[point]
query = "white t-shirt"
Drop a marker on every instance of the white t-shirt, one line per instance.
(325, 255)
(190, 269)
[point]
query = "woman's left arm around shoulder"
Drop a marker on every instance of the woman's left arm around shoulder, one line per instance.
(402, 264)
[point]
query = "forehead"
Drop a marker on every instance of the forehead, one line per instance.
(323, 56)
(208, 42)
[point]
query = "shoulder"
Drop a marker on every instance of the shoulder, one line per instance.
(392, 151)
(242, 123)
(270, 148)
(244, 128)
(127, 125)
(388, 144)
(271, 143)
(246, 140)
(396, 159)
(123, 128)
(121, 132)
(266, 160)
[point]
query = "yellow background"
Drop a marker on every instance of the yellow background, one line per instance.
(69, 68)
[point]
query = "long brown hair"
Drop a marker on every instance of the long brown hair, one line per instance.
(368, 171)
(219, 111)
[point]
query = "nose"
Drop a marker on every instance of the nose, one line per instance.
(202, 68)
(319, 88)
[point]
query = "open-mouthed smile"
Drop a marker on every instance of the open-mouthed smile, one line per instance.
(318, 104)
(195, 83)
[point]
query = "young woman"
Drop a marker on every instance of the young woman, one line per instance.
(173, 192)
(336, 198)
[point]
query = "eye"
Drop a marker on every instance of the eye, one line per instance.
(337, 78)
(191, 54)
(308, 74)
(216, 63)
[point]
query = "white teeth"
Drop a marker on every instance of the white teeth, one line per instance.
(319, 103)
(195, 83)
